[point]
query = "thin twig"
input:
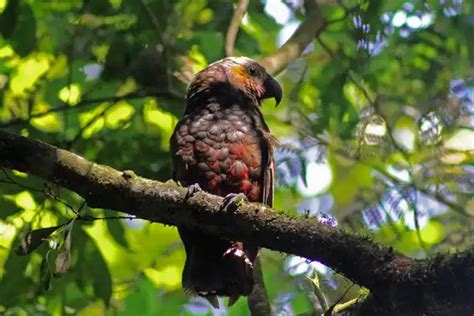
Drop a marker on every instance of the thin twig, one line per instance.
(70, 57)
(320, 295)
(436, 195)
(87, 102)
(104, 218)
(310, 28)
(329, 311)
(46, 191)
(234, 25)
(457, 208)
(167, 41)
(151, 15)
(88, 124)
(49, 194)
(9, 180)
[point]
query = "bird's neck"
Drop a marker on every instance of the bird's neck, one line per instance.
(214, 103)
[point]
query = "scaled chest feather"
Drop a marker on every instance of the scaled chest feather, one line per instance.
(221, 149)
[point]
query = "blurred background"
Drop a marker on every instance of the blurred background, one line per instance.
(375, 128)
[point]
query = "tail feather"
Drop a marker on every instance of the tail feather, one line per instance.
(216, 266)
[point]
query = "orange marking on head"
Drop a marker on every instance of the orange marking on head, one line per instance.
(240, 74)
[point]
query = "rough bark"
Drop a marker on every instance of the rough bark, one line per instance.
(398, 283)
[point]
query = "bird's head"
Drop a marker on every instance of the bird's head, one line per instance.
(239, 77)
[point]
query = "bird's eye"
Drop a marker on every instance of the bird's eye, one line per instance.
(252, 71)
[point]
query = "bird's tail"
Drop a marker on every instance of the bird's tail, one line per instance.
(215, 266)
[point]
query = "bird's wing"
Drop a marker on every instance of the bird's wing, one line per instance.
(268, 168)
(268, 184)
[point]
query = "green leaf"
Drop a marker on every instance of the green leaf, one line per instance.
(45, 273)
(102, 283)
(34, 239)
(63, 260)
(8, 19)
(117, 231)
(7, 208)
(211, 44)
(23, 37)
(92, 267)
(143, 301)
(14, 273)
(100, 7)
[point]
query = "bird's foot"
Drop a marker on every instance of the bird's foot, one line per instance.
(192, 189)
(212, 299)
(232, 300)
(234, 200)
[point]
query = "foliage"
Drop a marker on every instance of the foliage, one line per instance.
(376, 133)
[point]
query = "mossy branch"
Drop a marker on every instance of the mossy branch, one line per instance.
(396, 281)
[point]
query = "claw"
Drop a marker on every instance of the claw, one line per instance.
(232, 300)
(192, 189)
(233, 199)
(212, 299)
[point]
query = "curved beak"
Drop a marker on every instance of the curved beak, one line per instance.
(272, 89)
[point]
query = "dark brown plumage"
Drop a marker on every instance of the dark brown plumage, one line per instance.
(223, 144)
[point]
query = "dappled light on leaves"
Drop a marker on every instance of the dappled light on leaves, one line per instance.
(119, 115)
(28, 72)
(70, 95)
(24, 200)
(168, 277)
(49, 123)
(162, 120)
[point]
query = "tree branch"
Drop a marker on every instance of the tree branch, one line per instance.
(234, 25)
(395, 280)
(312, 26)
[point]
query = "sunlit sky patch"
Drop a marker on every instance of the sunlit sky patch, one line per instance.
(399, 18)
(394, 206)
(318, 179)
(278, 10)
(415, 21)
(296, 265)
(283, 16)
(374, 130)
(405, 137)
(461, 140)
(405, 19)
(92, 71)
(409, 220)
(399, 173)
(319, 175)
(316, 205)
(287, 31)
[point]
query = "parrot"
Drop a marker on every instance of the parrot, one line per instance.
(223, 146)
